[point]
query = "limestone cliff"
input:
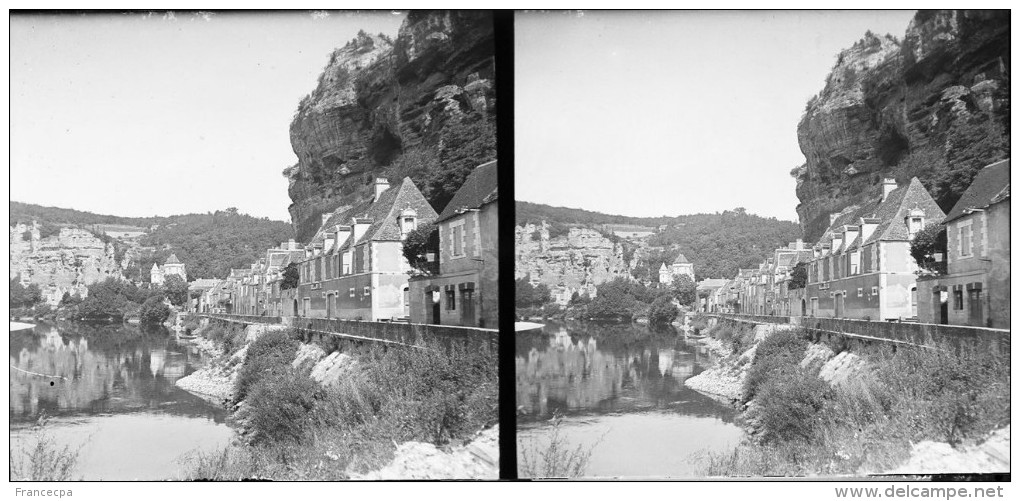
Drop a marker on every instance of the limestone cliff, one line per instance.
(67, 262)
(422, 106)
(934, 105)
(582, 257)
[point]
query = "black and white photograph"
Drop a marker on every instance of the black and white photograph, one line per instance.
(253, 246)
(762, 244)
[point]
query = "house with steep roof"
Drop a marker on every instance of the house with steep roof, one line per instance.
(172, 266)
(708, 288)
(354, 267)
(465, 292)
(975, 289)
(680, 266)
(862, 267)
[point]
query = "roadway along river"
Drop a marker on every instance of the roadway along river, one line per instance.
(109, 389)
(619, 392)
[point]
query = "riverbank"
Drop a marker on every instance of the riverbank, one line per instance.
(325, 411)
(826, 410)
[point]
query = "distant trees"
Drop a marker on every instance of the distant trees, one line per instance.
(154, 310)
(798, 276)
(684, 289)
(22, 296)
(176, 290)
(662, 311)
(527, 295)
(113, 298)
(621, 298)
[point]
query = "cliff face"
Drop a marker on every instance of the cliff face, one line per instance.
(935, 106)
(581, 258)
(67, 262)
(422, 106)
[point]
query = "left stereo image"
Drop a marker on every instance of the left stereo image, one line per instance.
(254, 245)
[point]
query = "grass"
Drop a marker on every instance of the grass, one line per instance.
(802, 426)
(557, 459)
(44, 460)
(296, 429)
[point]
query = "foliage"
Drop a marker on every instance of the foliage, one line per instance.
(154, 310)
(113, 298)
(798, 276)
(791, 404)
(663, 311)
(70, 301)
(777, 356)
(176, 290)
(280, 406)
(621, 298)
(684, 289)
(48, 229)
(43, 461)
(926, 243)
(418, 244)
(271, 353)
(291, 277)
(556, 459)
(22, 296)
(527, 295)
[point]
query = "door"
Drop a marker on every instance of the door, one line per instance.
(942, 298)
(974, 307)
(330, 306)
(295, 310)
(913, 302)
(838, 300)
(467, 308)
(803, 307)
(407, 302)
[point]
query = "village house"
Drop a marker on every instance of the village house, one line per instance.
(466, 290)
(708, 288)
(201, 287)
(975, 289)
(680, 266)
(173, 266)
(862, 267)
(354, 267)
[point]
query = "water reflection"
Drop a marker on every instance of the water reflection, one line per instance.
(619, 389)
(110, 389)
(86, 369)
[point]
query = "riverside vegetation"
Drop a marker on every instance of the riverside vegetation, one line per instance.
(293, 428)
(801, 425)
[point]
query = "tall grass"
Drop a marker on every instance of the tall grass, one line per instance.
(555, 459)
(43, 460)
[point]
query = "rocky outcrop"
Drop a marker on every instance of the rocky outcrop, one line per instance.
(66, 262)
(582, 257)
(422, 106)
(934, 105)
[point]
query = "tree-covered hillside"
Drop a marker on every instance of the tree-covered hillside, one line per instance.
(26, 213)
(718, 244)
(211, 244)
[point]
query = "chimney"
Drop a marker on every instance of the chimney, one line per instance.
(291, 245)
(381, 185)
(360, 226)
(868, 225)
(888, 185)
(799, 244)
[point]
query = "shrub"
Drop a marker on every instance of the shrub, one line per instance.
(271, 353)
(788, 406)
(154, 310)
(781, 352)
(281, 406)
(663, 311)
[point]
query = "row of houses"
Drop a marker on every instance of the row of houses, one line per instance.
(354, 268)
(862, 268)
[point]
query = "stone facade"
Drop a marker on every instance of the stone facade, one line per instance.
(173, 266)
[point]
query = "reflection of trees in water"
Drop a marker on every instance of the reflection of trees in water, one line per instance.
(603, 368)
(101, 368)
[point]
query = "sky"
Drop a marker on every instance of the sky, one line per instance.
(653, 113)
(165, 113)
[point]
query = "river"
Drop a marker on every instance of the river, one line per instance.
(618, 391)
(108, 391)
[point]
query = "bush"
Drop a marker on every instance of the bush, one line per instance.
(663, 311)
(154, 310)
(281, 406)
(271, 353)
(778, 355)
(788, 406)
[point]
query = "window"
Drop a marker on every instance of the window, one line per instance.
(860, 292)
(352, 291)
(855, 263)
(451, 298)
(368, 291)
(958, 299)
(874, 291)
(329, 267)
(458, 240)
(965, 241)
(915, 225)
